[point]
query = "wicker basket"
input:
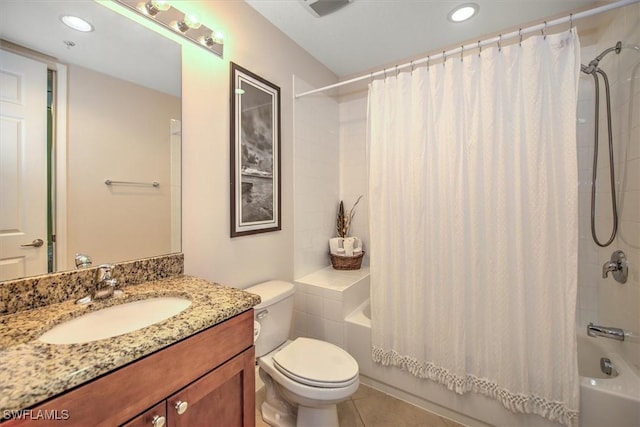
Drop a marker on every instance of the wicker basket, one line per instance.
(346, 262)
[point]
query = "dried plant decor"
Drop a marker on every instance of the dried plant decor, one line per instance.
(343, 220)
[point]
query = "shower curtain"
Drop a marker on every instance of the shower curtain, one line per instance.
(474, 223)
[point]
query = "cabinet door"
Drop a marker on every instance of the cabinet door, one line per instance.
(225, 397)
(154, 417)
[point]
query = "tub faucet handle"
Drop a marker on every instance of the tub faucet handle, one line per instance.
(618, 265)
(607, 267)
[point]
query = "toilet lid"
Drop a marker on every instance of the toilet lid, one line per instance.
(316, 363)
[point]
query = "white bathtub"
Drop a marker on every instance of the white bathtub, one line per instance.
(604, 401)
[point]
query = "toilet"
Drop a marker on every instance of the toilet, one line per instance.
(304, 378)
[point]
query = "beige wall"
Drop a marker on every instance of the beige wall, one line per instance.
(109, 139)
(252, 42)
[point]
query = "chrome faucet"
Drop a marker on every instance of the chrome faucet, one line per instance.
(104, 287)
(105, 284)
(605, 331)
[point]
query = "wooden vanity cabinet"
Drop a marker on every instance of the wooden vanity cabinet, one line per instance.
(218, 398)
(212, 371)
(215, 400)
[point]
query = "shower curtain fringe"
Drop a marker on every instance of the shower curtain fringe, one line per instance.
(515, 402)
(479, 44)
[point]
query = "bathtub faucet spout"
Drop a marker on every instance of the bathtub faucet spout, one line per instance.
(605, 331)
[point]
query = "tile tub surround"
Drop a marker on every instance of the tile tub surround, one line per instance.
(324, 298)
(39, 291)
(33, 371)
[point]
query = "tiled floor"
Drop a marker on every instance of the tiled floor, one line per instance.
(371, 408)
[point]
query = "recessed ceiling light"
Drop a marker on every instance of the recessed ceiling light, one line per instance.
(76, 23)
(463, 12)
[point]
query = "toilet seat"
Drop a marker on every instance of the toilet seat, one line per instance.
(318, 394)
(316, 363)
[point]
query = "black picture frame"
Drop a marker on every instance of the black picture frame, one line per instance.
(256, 201)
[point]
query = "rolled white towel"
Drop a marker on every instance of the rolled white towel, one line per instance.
(348, 246)
(335, 243)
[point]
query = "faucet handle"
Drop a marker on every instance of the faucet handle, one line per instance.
(607, 267)
(104, 272)
(618, 265)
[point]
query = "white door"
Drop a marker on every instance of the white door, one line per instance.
(23, 166)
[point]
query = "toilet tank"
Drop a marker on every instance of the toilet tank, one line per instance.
(273, 314)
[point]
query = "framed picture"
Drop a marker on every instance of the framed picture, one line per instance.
(255, 154)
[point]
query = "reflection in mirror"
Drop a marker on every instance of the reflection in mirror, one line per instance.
(78, 109)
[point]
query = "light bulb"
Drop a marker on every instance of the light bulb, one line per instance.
(192, 22)
(161, 5)
(153, 7)
(212, 39)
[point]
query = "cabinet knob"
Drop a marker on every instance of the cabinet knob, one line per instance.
(181, 407)
(158, 421)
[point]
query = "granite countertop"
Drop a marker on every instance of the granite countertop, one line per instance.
(32, 371)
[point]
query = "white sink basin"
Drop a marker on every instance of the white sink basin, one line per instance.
(113, 321)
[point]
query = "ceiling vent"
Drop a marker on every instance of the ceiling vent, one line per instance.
(320, 8)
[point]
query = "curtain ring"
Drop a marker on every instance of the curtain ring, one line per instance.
(571, 21)
(428, 59)
(479, 49)
(385, 73)
(372, 78)
(396, 71)
(520, 34)
(461, 52)
(412, 66)
(500, 43)
(545, 30)
(444, 57)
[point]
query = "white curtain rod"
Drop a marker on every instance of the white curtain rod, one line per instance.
(521, 32)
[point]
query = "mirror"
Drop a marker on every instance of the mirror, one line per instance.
(113, 113)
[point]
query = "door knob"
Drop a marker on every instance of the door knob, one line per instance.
(36, 244)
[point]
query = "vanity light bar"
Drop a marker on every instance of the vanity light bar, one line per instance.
(178, 22)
